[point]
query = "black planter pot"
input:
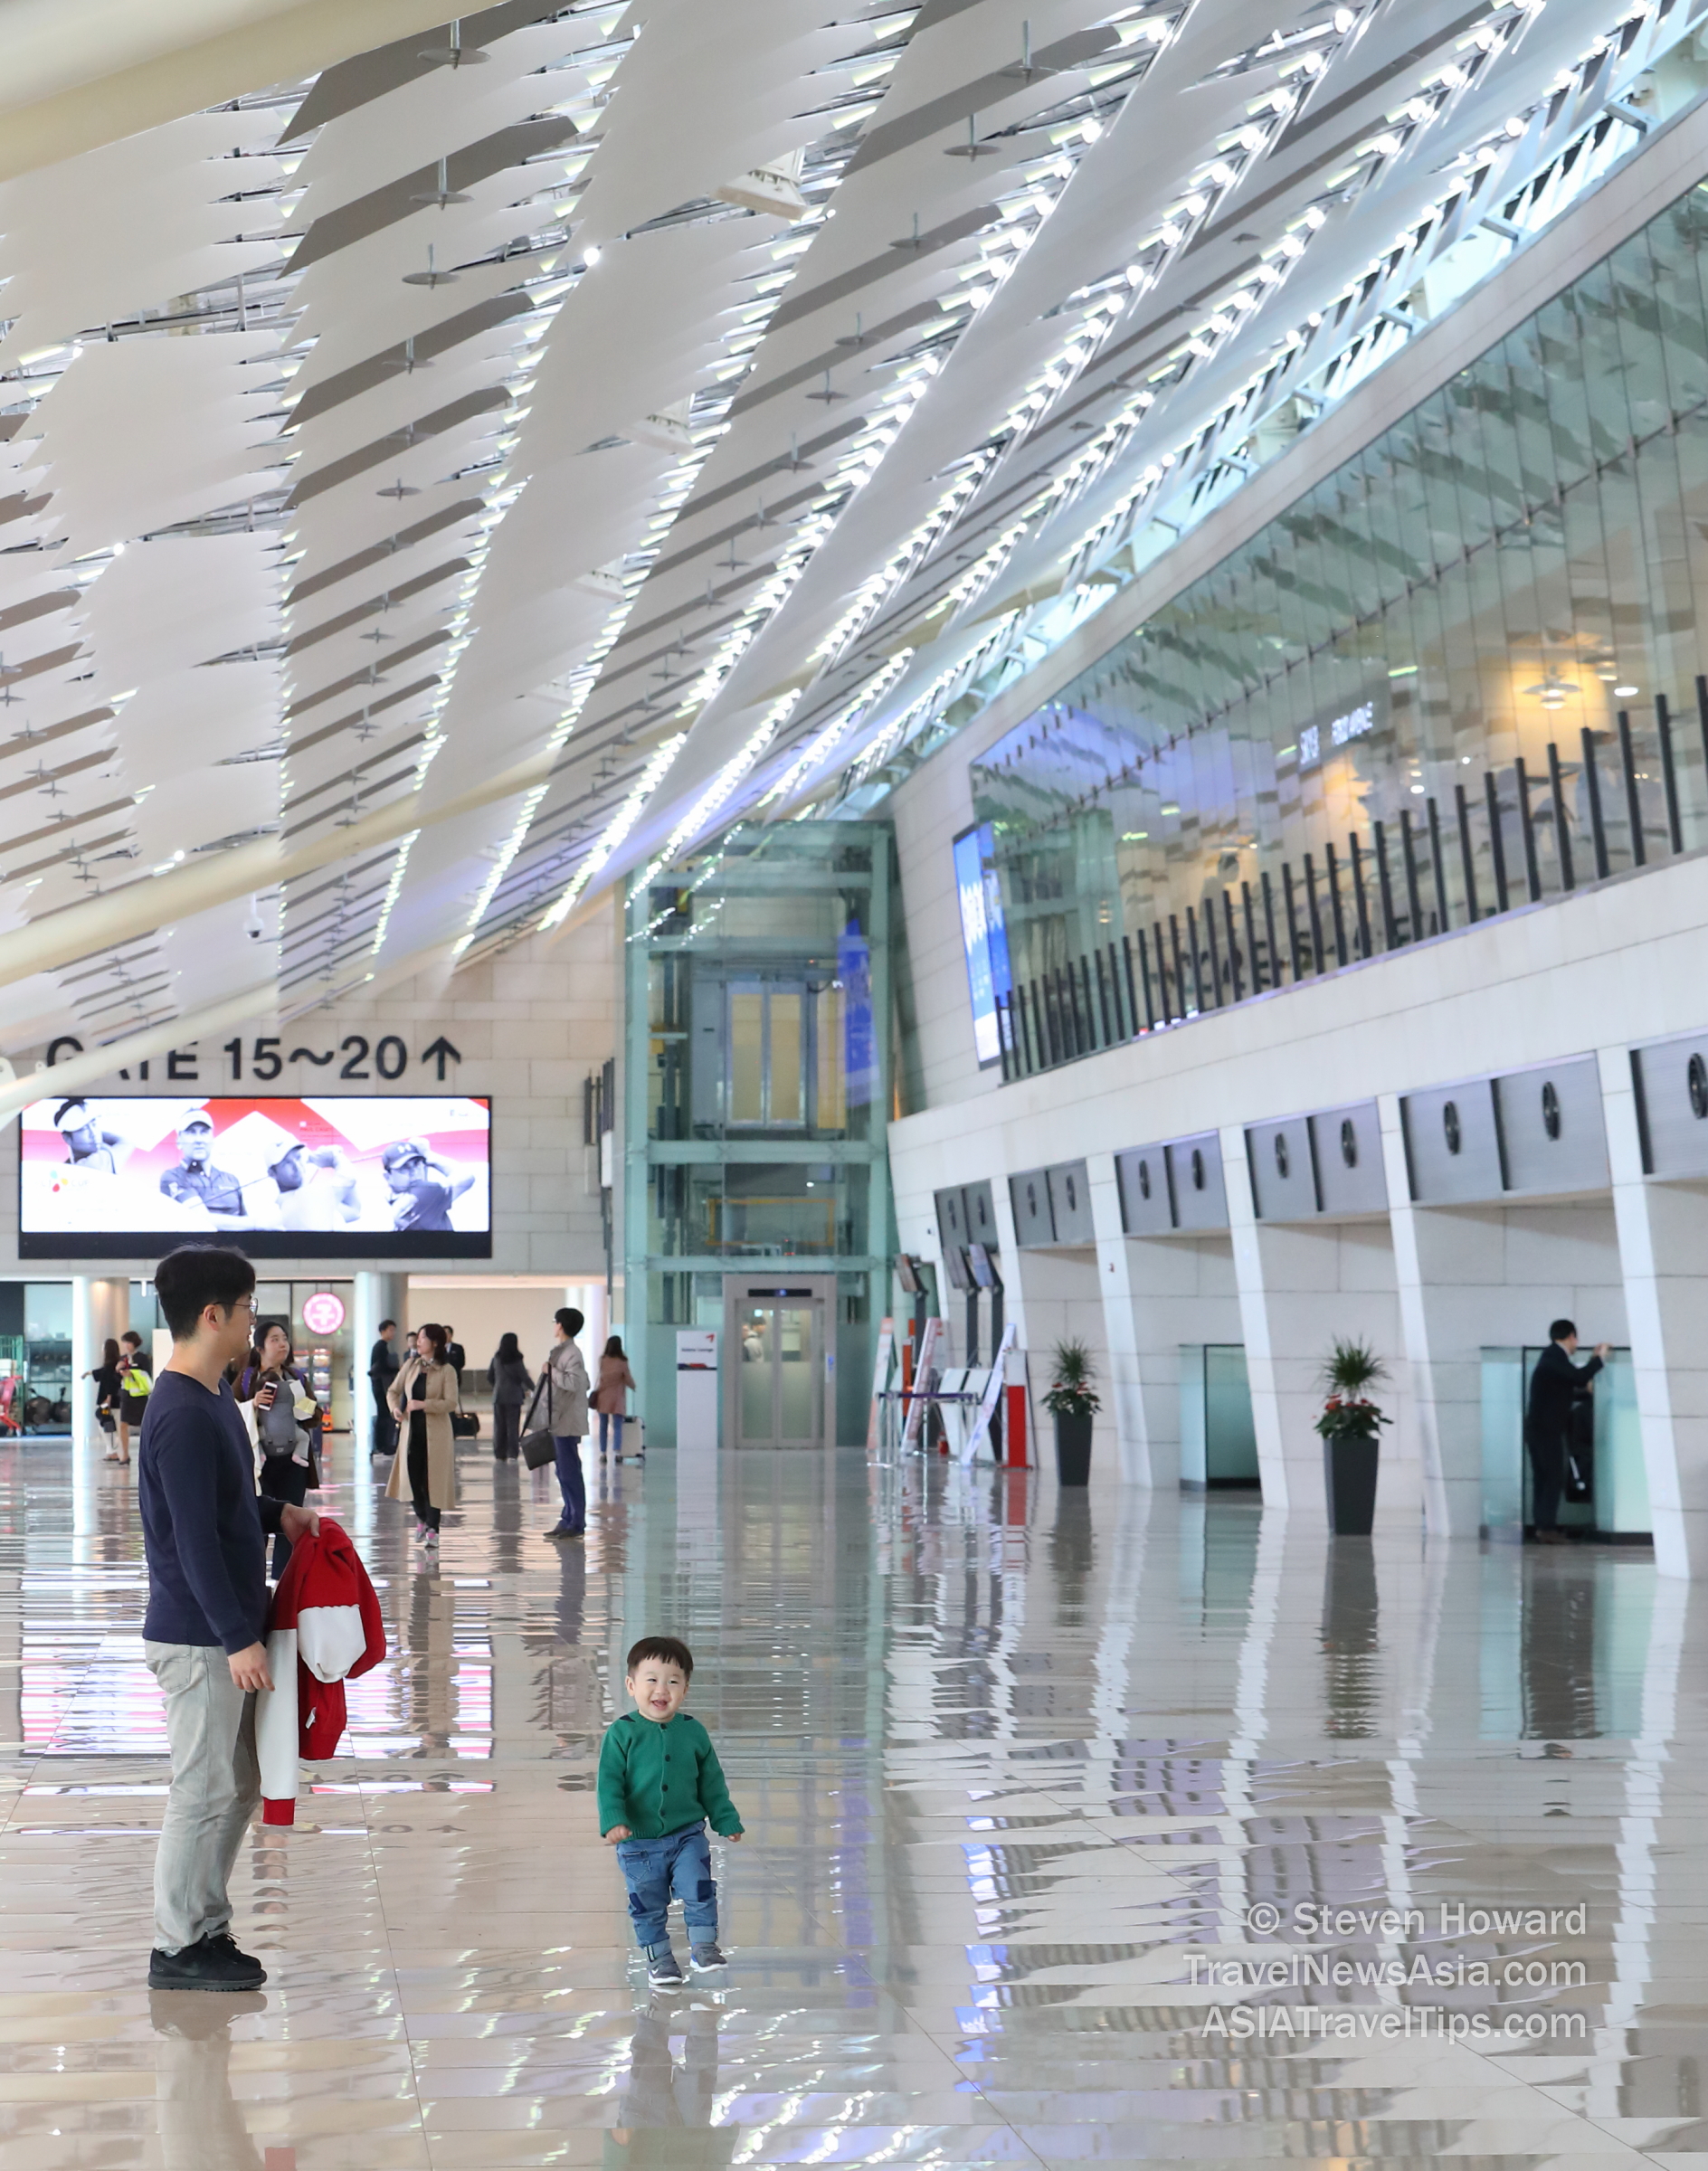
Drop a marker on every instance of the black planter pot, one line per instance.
(1349, 1471)
(1073, 1448)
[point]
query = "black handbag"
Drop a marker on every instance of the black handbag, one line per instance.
(465, 1423)
(540, 1449)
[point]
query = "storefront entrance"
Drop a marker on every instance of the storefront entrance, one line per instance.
(322, 1316)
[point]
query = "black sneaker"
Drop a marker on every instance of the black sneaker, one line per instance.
(705, 1959)
(210, 1964)
(664, 1970)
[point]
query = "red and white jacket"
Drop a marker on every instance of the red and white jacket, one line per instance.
(323, 1629)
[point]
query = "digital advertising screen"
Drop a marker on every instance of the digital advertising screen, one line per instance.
(983, 936)
(346, 1176)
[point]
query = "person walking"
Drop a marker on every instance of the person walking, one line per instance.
(106, 1376)
(383, 1362)
(1554, 1385)
(565, 1380)
(511, 1383)
(425, 1466)
(203, 1535)
(136, 1377)
(616, 1382)
(287, 1422)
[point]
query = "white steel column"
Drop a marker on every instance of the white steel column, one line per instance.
(1120, 1327)
(1662, 1236)
(1254, 1322)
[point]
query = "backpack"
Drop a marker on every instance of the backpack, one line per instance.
(276, 1426)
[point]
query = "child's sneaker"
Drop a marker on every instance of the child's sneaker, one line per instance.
(706, 1959)
(664, 1971)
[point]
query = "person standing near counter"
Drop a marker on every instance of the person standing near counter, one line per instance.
(511, 1383)
(1554, 1385)
(382, 1370)
(136, 1378)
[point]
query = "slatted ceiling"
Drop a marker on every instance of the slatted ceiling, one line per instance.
(358, 83)
(39, 606)
(703, 96)
(378, 605)
(39, 778)
(397, 444)
(20, 839)
(110, 963)
(429, 346)
(376, 675)
(403, 540)
(360, 718)
(405, 197)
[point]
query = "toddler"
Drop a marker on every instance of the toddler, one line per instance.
(659, 1781)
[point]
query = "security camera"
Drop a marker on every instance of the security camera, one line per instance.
(255, 926)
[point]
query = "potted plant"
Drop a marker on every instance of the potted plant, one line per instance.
(1072, 1401)
(1351, 1426)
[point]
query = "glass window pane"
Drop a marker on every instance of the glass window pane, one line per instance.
(746, 1026)
(786, 1037)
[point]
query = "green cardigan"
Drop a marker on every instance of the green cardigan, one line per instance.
(657, 1779)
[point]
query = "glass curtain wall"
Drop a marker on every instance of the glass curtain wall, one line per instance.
(1461, 675)
(758, 1073)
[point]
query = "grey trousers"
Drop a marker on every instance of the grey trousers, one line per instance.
(215, 1786)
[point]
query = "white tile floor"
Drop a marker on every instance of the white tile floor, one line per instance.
(1018, 1770)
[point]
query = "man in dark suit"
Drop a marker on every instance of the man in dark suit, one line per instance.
(1554, 1385)
(382, 1367)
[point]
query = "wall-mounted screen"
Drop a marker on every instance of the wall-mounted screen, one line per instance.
(346, 1176)
(984, 934)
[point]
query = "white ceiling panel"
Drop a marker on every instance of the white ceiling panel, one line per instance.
(776, 364)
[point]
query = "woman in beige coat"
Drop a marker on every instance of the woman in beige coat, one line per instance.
(422, 1397)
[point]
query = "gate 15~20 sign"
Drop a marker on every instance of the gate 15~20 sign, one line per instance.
(355, 1057)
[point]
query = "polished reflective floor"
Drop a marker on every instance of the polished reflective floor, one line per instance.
(1108, 1829)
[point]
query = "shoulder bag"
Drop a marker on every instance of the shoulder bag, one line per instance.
(540, 1449)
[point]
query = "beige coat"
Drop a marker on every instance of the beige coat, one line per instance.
(438, 1402)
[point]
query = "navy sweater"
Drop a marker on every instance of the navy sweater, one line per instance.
(203, 1524)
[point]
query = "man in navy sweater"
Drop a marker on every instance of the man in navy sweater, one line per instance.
(203, 1530)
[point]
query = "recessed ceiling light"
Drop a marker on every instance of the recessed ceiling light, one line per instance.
(1624, 693)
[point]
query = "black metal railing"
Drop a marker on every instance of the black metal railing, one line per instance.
(1390, 889)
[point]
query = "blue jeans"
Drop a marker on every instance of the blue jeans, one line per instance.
(607, 1418)
(570, 1481)
(678, 1865)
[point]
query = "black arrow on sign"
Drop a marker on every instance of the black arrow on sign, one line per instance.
(443, 1051)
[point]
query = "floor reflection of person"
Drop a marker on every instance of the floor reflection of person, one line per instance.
(1558, 1649)
(664, 2094)
(200, 2124)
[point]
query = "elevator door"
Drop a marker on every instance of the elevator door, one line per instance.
(776, 1352)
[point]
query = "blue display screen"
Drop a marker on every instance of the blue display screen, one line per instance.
(984, 934)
